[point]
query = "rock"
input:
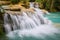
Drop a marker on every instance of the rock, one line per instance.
(4, 2)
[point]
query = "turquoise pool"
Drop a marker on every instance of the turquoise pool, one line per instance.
(54, 17)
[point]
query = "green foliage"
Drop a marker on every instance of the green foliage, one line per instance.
(32, 0)
(1, 31)
(15, 1)
(57, 2)
(50, 5)
(24, 0)
(5, 0)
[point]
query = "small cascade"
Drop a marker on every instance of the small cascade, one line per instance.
(31, 4)
(28, 24)
(7, 24)
(24, 21)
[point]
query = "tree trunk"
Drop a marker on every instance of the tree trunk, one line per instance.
(52, 5)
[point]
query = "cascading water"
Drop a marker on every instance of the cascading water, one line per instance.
(26, 25)
(7, 25)
(32, 4)
(29, 25)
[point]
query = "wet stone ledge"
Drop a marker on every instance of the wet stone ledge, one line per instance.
(4, 2)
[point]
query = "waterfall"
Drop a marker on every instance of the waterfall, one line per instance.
(24, 21)
(20, 22)
(28, 24)
(7, 24)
